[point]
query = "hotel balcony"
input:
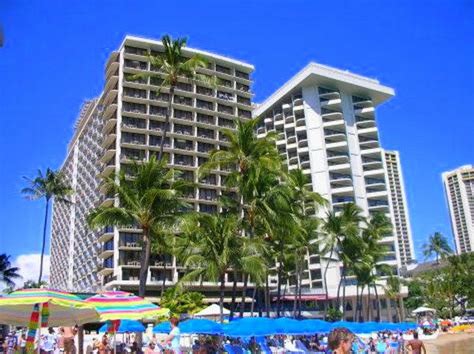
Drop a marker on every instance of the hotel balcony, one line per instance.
(109, 125)
(367, 112)
(334, 157)
(305, 164)
(375, 183)
(286, 107)
(110, 97)
(268, 120)
(368, 143)
(330, 115)
(361, 102)
(108, 154)
(303, 143)
(108, 140)
(112, 63)
(110, 111)
(332, 136)
(370, 163)
(293, 160)
(363, 123)
(106, 267)
(106, 234)
(328, 93)
(340, 179)
(107, 249)
(341, 200)
(301, 122)
(107, 169)
(298, 100)
(378, 205)
(342, 190)
(332, 102)
(279, 119)
(339, 166)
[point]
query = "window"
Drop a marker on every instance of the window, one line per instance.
(204, 91)
(158, 111)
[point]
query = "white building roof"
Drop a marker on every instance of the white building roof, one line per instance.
(326, 76)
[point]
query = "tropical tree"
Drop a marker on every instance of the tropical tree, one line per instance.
(437, 244)
(50, 185)
(253, 164)
(209, 246)
(392, 292)
(170, 67)
(341, 230)
(8, 274)
(182, 302)
(149, 199)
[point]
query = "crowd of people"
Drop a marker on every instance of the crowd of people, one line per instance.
(49, 343)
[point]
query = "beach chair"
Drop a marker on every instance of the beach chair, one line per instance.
(264, 348)
(299, 345)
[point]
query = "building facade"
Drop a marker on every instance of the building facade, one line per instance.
(459, 187)
(399, 205)
(325, 121)
(126, 125)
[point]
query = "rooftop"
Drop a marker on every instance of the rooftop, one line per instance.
(323, 75)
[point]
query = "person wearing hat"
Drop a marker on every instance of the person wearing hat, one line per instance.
(340, 340)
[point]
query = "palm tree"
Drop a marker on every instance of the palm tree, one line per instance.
(254, 164)
(338, 227)
(49, 186)
(437, 244)
(8, 273)
(392, 290)
(150, 199)
(170, 67)
(209, 247)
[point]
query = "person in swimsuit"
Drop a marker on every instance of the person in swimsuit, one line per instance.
(416, 345)
(68, 334)
(174, 336)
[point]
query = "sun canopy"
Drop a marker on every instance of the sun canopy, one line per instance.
(200, 326)
(423, 309)
(212, 311)
(120, 305)
(163, 327)
(64, 309)
(125, 326)
(251, 327)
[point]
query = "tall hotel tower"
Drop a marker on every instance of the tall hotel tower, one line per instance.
(124, 125)
(398, 200)
(459, 186)
(325, 120)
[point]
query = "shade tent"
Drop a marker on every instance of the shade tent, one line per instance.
(212, 311)
(63, 309)
(200, 326)
(125, 326)
(423, 309)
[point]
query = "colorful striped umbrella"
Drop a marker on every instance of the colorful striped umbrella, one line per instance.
(54, 308)
(120, 305)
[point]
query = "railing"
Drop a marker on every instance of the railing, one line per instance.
(242, 75)
(338, 176)
(331, 132)
(374, 181)
(378, 203)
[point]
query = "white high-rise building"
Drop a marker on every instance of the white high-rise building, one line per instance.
(124, 125)
(325, 121)
(399, 205)
(459, 186)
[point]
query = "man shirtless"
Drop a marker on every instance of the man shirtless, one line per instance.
(416, 345)
(68, 334)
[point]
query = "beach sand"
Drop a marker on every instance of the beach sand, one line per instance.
(450, 343)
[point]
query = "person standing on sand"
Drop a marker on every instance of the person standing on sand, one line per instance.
(68, 334)
(416, 345)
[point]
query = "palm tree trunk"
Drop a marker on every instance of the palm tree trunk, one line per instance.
(252, 305)
(369, 310)
(167, 122)
(326, 306)
(354, 311)
(401, 308)
(44, 241)
(163, 284)
(377, 300)
(234, 293)
(360, 304)
(300, 291)
(338, 297)
(267, 296)
(280, 271)
(144, 262)
(344, 297)
(244, 294)
(221, 297)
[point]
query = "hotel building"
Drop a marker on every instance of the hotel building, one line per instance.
(325, 121)
(125, 125)
(398, 202)
(459, 186)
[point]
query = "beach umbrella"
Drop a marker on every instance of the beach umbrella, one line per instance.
(54, 308)
(251, 327)
(37, 308)
(124, 326)
(200, 326)
(121, 305)
(163, 327)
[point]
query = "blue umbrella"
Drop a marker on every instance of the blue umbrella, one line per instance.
(289, 326)
(163, 327)
(125, 326)
(201, 326)
(251, 327)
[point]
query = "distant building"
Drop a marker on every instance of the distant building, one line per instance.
(459, 187)
(398, 200)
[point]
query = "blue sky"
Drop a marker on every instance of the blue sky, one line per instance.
(55, 51)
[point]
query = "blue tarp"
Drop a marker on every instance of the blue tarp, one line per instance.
(200, 326)
(126, 326)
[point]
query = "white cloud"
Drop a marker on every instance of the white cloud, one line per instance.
(29, 265)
